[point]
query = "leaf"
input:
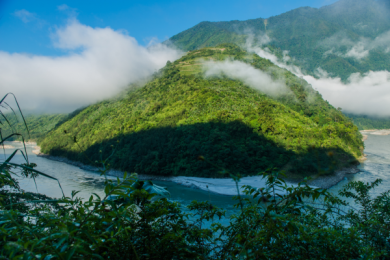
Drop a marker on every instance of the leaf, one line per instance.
(70, 253)
(98, 256)
(59, 243)
(40, 173)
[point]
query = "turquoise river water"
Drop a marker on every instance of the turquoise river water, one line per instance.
(377, 165)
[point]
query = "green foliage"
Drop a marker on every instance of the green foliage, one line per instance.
(39, 125)
(303, 32)
(364, 122)
(6, 167)
(373, 218)
(162, 127)
(274, 222)
(33, 226)
(206, 34)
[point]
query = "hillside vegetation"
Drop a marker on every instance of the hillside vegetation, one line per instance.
(314, 37)
(38, 125)
(162, 127)
(369, 122)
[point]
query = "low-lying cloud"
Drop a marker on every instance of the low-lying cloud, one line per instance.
(265, 53)
(249, 75)
(356, 49)
(99, 63)
(367, 94)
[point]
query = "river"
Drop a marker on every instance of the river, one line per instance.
(377, 165)
(71, 177)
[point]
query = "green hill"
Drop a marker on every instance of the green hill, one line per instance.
(364, 122)
(314, 37)
(39, 125)
(162, 127)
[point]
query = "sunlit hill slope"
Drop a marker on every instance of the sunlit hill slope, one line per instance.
(163, 126)
(38, 125)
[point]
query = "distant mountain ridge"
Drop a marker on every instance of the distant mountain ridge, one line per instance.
(38, 124)
(346, 37)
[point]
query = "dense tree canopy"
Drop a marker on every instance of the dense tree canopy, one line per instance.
(364, 122)
(38, 125)
(161, 127)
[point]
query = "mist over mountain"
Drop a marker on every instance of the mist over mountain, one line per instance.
(342, 50)
(343, 38)
(220, 103)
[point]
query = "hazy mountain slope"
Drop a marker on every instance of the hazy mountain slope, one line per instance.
(207, 34)
(162, 127)
(39, 125)
(366, 122)
(328, 37)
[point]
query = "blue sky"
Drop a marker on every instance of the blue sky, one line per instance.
(27, 26)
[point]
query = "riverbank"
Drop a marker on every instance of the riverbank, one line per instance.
(225, 186)
(15, 144)
(109, 172)
(222, 186)
(329, 181)
(6, 146)
(26, 143)
(365, 133)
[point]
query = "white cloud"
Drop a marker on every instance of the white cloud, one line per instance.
(63, 7)
(359, 49)
(25, 15)
(267, 54)
(382, 41)
(71, 12)
(367, 94)
(263, 39)
(101, 62)
(249, 75)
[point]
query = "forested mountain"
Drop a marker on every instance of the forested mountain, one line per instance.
(368, 122)
(38, 125)
(162, 127)
(346, 37)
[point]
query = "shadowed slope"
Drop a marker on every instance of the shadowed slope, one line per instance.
(174, 151)
(163, 126)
